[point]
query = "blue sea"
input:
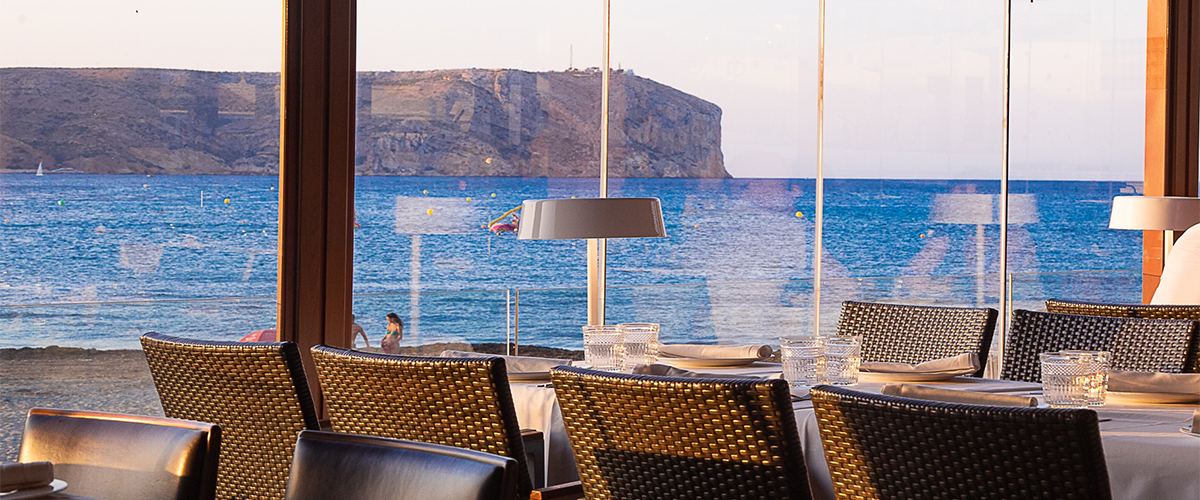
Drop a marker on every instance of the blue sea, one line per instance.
(95, 260)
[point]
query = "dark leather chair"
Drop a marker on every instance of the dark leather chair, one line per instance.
(1151, 311)
(330, 465)
(898, 333)
(125, 457)
(1136, 344)
(256, 392)
(886, 447)
(638, 437)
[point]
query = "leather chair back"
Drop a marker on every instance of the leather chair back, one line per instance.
(126, 457)
(354, 467)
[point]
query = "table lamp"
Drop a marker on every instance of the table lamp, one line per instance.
(1155, 213)
(592, 218)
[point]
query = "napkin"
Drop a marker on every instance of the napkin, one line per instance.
(23, 476)
(1154, 382)
(954, 364)
(952, 396)
(670, 371)
(515, 364)
(1196, 422)
(757, 351)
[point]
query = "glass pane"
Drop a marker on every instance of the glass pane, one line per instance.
(714, 112)
(912, 153)
(1078, 140)
(138, 151)
(447, 143)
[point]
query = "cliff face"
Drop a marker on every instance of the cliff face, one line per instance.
(445, 122)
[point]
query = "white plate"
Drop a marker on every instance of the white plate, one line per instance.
(915, 376)
(1188, 430)
(709, 362)
(55, 486)
(529, 376)
(1151, 398)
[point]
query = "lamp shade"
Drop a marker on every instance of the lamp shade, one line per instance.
(1154, 213)
(559, 219)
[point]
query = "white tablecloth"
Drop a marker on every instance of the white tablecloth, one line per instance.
(1148, 457)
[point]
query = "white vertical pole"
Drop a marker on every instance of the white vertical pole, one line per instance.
(820, 167)
(1002, 323)
(597, 251)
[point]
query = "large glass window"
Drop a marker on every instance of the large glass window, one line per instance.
(139, 144)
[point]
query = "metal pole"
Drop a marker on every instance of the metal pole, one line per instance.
(597, 251)
(820, 167)
(1002, 326)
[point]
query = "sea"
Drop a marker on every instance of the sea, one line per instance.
(96, 260)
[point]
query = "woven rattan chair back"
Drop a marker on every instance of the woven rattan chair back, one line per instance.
(884, 447)
(461, 402)
(256, 392)
(646, 437)
(898, 333)
(1136, 311)
(1136, 344)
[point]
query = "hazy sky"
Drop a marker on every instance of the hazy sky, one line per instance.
(913, 88)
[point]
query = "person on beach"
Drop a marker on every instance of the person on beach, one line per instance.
(395, 332)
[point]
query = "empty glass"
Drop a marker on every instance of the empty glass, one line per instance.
(843, 353)
(1066, 379)
(803, 361)
(1097, 391)
(603, 347)
(641, 343)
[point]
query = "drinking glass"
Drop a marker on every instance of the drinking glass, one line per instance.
(641, 343)
(1098, 376)
(1066, 379)
(803, 361)
(603, 347)
(843, 353)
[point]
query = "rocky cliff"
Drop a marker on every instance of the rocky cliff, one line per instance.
(447, 122)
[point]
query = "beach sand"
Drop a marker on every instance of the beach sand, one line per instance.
(118, 381)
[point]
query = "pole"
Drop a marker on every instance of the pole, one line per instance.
(820, 167)
(1002, 325)
(597, 251)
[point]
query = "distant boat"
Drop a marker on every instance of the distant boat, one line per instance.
(39, 172)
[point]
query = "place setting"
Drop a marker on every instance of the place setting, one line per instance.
(21, 481)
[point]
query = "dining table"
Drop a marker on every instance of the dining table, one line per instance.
(1148, 453)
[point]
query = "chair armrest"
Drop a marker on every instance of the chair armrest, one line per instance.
(563, 491)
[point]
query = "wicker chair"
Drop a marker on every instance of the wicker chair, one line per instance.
(646, 437)
(461, 402)
(885, 447)
(112, 455)
(1136, 344)
(899, 333)
(256, 392)
(1136, 311)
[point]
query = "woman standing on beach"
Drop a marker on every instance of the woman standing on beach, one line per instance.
(395, 332)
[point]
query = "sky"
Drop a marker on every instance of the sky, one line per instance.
(913, 89)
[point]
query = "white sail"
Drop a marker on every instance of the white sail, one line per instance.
(39, 172)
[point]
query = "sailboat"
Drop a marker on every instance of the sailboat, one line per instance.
(39, 172)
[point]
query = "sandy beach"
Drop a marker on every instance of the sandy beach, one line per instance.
(117, 381)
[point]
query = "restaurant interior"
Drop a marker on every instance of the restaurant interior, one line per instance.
(975, 365)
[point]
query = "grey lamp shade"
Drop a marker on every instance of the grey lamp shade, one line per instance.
(559, 219)
(1154, 213)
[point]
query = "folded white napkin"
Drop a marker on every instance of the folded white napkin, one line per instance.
(1196, 422)
(20, 476)
(1154, 382)
(756, 351)
(952, 396)
(671, 371)
(965, 362)
(514, 364)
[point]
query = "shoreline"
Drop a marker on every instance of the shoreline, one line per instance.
(118, 380)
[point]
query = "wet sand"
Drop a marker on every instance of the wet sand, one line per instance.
(117, 381)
